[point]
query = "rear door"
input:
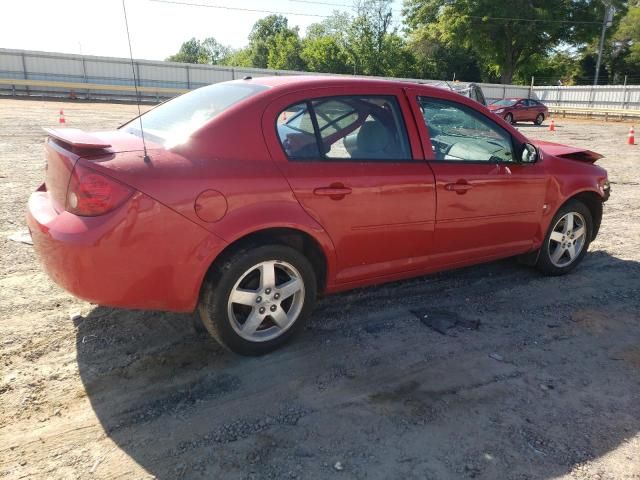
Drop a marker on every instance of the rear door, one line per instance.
(532, 110)
(355, 164)
(489, 205)
(521, 111)
(536, 108)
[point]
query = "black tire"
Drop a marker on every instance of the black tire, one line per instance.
(545, 263)
(539, 119)
(509, 118)
(213, 306)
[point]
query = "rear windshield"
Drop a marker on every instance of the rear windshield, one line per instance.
(507, 102)
(174, 121)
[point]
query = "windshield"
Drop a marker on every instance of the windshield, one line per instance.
(173, 122)
(507, 102)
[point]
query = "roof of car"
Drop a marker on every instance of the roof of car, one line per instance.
(324, 80)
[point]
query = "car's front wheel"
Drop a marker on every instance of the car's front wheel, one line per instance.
(257, 299)
(539, 119)
(508, 118)
(567, 240)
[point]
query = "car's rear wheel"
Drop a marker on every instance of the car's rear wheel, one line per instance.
(539, 119)
(258, 299)
(567, 240)
(509, 118)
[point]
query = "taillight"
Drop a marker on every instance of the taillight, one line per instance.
(91, 193)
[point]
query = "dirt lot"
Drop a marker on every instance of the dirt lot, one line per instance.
(547, 387)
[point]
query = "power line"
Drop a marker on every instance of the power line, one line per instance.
(323, 3)
(315, 15)
(317, 2)
(240, 9)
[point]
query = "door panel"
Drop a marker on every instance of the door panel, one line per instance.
(379, 213)
(520, 111)
(384, 225)
(488, 204)
(499, 214)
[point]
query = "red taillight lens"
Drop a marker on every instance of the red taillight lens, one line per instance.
(91, 193)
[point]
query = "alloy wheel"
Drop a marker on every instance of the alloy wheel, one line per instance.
(567, 239)
(266, 301)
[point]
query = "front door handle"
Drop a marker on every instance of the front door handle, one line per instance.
(459, 187)
(336, 191)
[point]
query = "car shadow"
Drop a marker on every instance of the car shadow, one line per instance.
(546, 382)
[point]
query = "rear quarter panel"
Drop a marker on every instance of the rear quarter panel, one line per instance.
(228, 156)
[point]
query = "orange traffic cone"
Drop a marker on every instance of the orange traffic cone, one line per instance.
(552, 126)
(61, 118)
(631, 140)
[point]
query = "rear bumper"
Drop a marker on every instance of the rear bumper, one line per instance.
(142, 255)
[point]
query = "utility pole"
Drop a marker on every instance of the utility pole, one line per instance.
(607, 21)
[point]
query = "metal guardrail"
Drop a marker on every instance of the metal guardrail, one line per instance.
(607, 113)
(73, 87)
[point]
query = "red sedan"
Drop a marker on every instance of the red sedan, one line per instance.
(520, 110)
(257, 195)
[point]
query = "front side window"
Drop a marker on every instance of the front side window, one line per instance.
(507, 102)
(459, 133)
(348, 128)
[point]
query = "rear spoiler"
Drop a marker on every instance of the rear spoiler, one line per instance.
(76, 138)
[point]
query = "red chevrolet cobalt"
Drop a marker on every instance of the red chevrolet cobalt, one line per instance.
(520, 110)
(257, 195)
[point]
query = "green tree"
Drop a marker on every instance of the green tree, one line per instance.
(284, 51)
(626, 40)
(325, 54)
(435, 60)
(263, 37)
(324, 49)
(505, 35)
(368, 35)
(207, 51)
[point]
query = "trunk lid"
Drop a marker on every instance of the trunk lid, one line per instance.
(568, 152)
(64, 146)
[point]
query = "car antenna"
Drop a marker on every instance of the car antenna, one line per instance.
(146, 157)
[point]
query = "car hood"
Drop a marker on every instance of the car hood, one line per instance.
(566, 151)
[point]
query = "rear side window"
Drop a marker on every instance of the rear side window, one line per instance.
(296, 132)
(174, 121)
(348, 128)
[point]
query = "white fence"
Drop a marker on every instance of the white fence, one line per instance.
(25, 65)
(603, 96)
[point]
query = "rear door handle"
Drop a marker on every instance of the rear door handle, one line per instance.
(336, 191)
(459, 187)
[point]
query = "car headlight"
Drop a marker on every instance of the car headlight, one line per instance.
(500, 110)
(605, 188)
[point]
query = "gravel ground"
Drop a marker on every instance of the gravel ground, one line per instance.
(547, 386)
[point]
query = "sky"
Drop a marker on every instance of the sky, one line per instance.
(96, 27)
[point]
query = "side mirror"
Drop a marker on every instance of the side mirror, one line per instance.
(529, 154)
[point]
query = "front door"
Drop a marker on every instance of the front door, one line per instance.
(489, 205)
(353, 163)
